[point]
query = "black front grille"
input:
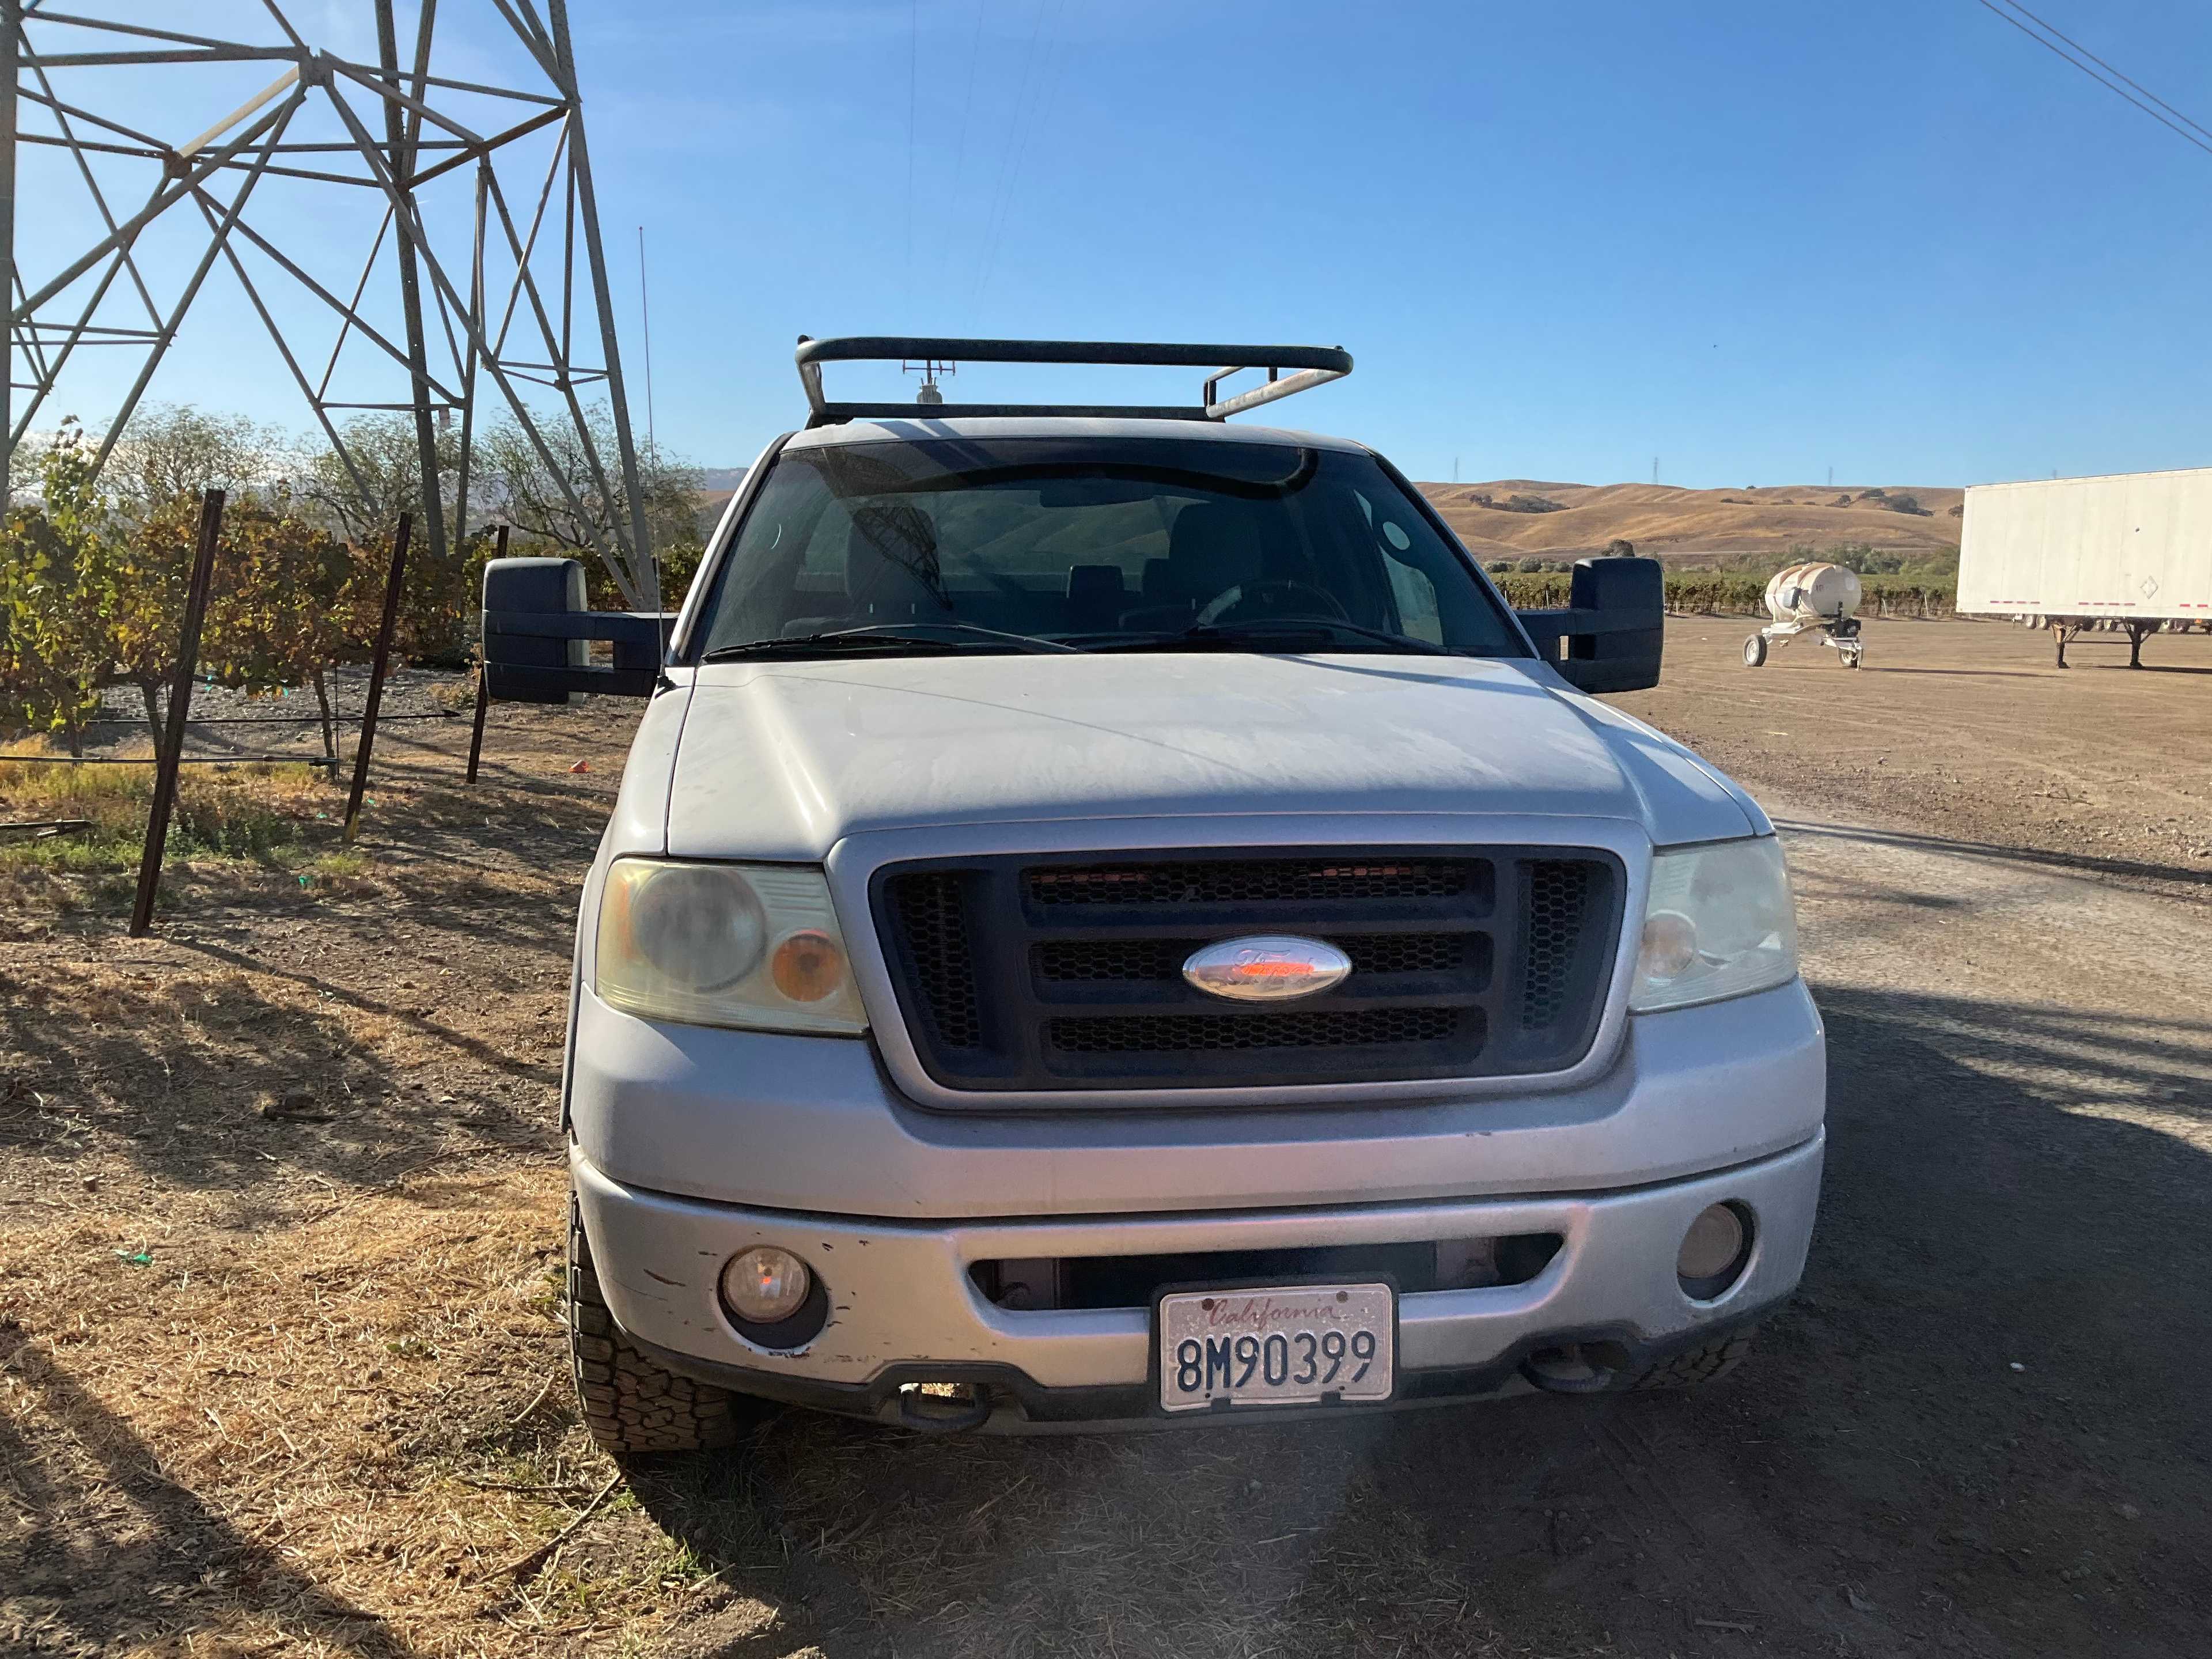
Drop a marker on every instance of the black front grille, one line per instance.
(1252, 881)
(1044, 973)
(1559, 908)
(1319, 1028)
(1063, 961)
(933, 922)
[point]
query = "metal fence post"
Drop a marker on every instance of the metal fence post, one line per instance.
(483, 676)
(180, 703)
(392, 587)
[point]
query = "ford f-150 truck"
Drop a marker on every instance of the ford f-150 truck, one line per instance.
(1111, 919)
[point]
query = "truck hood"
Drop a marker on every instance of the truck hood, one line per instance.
(781, 761)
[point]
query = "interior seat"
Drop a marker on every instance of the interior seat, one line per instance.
(1096, 596)
(1212, 547)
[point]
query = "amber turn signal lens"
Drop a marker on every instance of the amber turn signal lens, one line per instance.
(807, 966)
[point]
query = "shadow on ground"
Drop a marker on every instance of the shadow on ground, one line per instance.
(108, 1554)
(2009, 1186)
(2083, 863)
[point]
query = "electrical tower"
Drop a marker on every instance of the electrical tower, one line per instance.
(405, 236)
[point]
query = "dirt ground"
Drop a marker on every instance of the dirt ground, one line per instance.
(281, 1369)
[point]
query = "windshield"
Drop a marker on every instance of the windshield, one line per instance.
(965, 544)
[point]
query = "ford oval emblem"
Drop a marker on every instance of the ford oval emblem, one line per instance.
(1268, 967)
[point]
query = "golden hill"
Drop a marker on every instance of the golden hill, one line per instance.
(1682, 525)
(1679, 524)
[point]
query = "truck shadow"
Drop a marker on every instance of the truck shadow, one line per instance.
(2009, 1186)
(2087, 864)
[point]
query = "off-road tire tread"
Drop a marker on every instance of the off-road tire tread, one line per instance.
(1695, 1366)
(631, 1404)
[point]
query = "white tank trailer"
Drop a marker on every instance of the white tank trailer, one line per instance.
(2129, 554)
(1807, 598)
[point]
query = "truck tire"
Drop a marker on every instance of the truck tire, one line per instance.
(1694, 1366)
(1754, 650)
(630, 1403)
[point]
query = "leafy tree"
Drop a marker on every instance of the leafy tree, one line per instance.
(389, 482)
(288, 604)
(57, 586)
(365, 511)
(285, 605)
(152, 570)
(171, 450)
(562, 507)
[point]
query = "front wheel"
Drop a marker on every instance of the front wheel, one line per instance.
(631, 1403)
(1754, 650)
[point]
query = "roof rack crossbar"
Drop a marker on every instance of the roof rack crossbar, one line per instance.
(1314, 366)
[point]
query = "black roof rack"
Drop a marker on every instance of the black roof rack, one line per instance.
(1313, 366)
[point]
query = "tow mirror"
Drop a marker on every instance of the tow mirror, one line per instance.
(1614, 630)
(537, 635)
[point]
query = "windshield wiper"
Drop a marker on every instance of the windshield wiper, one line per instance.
(889, 637)
(1278, 631)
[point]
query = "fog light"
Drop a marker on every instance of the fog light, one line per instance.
(766, 1285)
(1713, 1251)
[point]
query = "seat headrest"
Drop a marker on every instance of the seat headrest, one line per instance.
(1095, 582)
(1215, 546)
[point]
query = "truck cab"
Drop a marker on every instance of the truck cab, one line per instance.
(1112, 919)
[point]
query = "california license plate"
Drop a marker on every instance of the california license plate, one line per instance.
(1297, 1345)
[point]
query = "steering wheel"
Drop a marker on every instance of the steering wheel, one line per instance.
(1259, 600)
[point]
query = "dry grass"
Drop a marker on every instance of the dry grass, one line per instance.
(257, 812)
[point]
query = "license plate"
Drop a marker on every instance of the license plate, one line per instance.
(1296, 1344)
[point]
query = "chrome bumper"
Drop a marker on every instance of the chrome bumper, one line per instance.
(905, 1306)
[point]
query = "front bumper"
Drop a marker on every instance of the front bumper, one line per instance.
(904, 1308)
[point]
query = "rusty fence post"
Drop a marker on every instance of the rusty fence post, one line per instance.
(392, 587)
(483, 676)
(169, 763)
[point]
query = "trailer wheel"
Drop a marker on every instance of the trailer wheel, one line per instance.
(1754, 650)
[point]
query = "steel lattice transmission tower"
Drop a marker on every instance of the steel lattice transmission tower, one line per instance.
(452, 238)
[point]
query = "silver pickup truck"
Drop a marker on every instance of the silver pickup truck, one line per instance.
(1110, 918)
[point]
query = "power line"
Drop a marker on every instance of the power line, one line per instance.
(967, 106)
(1047, 91)
(2182, 126)
(2102, 64)
(1007, 158)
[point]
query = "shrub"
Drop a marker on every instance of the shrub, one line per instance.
(57, 588)
(1525, 590)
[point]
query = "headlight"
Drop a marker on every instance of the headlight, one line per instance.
(753, 944)
(1718, 922)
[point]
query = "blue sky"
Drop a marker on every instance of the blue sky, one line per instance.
(1754, 241)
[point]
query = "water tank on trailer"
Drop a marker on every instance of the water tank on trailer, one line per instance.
(1806, 591)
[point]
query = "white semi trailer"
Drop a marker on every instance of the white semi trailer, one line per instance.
(2130, 553)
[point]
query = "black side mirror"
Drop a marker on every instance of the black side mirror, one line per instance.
(537, 635)
(1612, 634)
